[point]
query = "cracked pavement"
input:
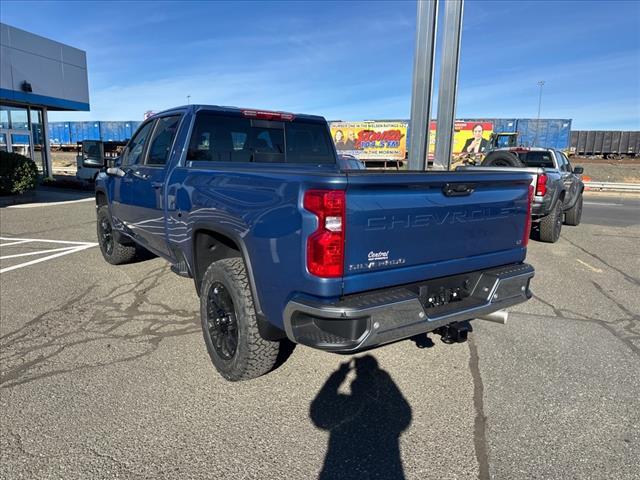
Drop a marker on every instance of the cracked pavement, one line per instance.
(103, 373)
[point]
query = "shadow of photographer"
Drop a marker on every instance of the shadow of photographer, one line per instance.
(364, 426)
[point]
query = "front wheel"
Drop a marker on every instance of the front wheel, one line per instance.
(113, 251)
(551, 225)
(574, 214)
(229, 323)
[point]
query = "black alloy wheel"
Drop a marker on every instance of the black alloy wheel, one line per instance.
(222, 324)
(106, 235)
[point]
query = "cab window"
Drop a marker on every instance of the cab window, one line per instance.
(162, 140)
(221, 138)
(135, 149)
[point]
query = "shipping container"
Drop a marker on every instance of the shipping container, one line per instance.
(550, 133)
(59, 133)
(117, 131)
(504, 125)
(84, 131)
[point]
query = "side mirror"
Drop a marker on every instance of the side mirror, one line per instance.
(92, 163)
(578, 170)
(115, 172)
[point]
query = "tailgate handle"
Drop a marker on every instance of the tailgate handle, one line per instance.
(458, 189)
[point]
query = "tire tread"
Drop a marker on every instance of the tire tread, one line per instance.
(547, 224)
(121, 253)
(261, 354)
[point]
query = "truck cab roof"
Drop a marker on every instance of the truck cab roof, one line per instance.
(243, 111)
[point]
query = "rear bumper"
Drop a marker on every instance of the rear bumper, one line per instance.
(540, 207)
(366, 320)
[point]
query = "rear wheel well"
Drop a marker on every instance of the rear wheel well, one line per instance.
(101, 199)
(561, 196)
(209, 247)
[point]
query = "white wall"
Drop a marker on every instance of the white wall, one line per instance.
(53, 69)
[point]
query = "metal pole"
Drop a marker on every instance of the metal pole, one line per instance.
(422, 84)
(535, 138)
(46, 148)
(448, 83)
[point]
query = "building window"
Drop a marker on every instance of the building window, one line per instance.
(22, 131)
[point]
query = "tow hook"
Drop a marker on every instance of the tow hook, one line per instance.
(454, 332)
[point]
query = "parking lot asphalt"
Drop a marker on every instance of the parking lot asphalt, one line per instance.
(104, 373)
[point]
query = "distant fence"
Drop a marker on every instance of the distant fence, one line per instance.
(612, 187)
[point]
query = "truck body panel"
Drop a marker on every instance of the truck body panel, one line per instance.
(257, 208)
(405, 226)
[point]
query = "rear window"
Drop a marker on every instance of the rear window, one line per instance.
(218, 138)
(537, 159)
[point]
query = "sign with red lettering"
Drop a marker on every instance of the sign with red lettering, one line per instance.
(371, 140)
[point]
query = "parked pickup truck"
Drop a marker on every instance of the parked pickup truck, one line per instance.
(557, 185)
(283, 244)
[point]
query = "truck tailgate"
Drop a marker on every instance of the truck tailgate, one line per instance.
(411, 226)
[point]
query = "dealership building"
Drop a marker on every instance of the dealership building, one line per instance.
(37, 75)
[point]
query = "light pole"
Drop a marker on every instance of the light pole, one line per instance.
(189, 102)
(535, 138)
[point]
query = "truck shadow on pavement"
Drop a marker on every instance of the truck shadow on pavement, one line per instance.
(364, 426)
(94, 329)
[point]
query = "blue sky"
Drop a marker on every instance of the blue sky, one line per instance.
(347, 60)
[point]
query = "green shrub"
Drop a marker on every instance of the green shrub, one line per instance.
(17, 173)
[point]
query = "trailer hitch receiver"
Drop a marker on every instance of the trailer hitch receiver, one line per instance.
(456, 332)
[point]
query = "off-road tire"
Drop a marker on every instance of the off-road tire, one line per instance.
(117, 253)
(551, 225)
(573, 216)
(502, 159)
(254, 356)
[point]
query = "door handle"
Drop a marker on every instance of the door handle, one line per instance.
(157, 184)
(139, 174)
(458, 189)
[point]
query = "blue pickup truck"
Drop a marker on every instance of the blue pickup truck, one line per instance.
(285, 245)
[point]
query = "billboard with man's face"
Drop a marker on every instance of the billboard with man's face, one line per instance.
(469, 138)
(371, 140)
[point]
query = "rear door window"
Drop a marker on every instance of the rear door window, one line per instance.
(162, 141)
(538, 159)
(219, 138)
(135, 149)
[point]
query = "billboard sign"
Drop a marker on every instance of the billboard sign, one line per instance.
(371, 140)
(469, 138)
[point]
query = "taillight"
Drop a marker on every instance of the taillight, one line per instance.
(527, 223)
(541, 185)
(268, 115)
(325, 246)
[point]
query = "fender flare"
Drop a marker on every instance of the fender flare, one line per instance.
(267, 330)
(204, 226)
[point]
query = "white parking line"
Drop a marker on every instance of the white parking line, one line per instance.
(604, 203)
(72, 247)
(12, 243)
(593, 269)
(51, 204)
(45, 240)
(39, 252)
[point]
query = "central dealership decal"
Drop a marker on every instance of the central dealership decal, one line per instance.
(378, 256)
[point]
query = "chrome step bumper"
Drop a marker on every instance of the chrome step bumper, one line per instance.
(369, 319)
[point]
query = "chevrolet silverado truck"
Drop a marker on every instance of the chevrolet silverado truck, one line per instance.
(557, 186)
(284, 245)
